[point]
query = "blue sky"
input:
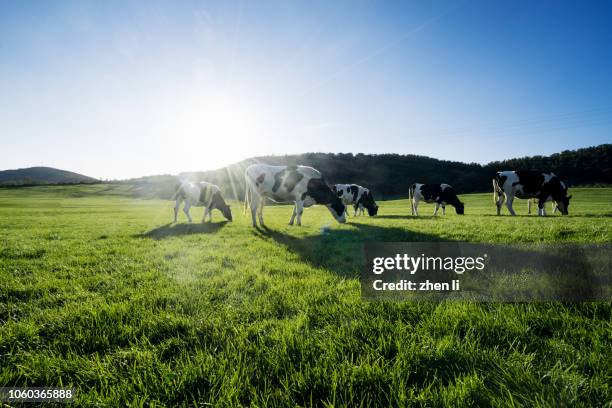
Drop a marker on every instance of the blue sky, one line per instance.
(124, 89)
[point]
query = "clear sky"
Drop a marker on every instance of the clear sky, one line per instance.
(124, 89)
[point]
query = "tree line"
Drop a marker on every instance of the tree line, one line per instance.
(390, 175)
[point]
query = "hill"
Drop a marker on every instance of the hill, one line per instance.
(41, 175)
(390, 175)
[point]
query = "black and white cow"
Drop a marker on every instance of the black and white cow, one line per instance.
(441, 194)
(545, 186)
(359, 197)
(202, 194)
(302, 185)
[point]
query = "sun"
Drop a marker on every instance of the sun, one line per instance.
(221, 129)
(230, 118)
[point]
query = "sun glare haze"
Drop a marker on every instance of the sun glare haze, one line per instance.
(127, 89)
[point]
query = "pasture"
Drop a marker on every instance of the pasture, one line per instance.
(101, 293)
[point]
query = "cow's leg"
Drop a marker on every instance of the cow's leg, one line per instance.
(540, 211)
(355, 207)
(262, 202)
(436, 209)
(529, 206)
(500, 201)
(254, 202)
(177, 204)
(415, 206)
(541, 206)
(293, 214)
(443, 209)
(186, 210)
(207, 211)
(299, 208)
(509, 200)
(554, 207)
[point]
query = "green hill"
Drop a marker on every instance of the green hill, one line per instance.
(41, 175)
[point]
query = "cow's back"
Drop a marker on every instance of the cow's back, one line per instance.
(430, 192)
(207, 191)
(189, 191)
(281, 183)
(351, 193)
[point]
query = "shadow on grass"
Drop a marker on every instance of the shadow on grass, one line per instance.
(509, 216)
(553, 272)
(602, 215)
(549, 215)
(406, 217)
(172, 230)
(340, 251)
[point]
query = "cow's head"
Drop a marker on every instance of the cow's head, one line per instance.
(321, 193)
(338, 210)
(460, 208)
(368, 202)
(227, 212)
(220, 204)
(561, 197)
(372, 210)
(563, 204)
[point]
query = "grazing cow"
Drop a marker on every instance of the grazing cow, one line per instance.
(201, 194)
(545, 186)
(441, 194)
(359, 197)
(299, 184)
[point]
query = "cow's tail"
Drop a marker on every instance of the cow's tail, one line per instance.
(247, 193)
(179, 191)
(496, 190)
(178, 197)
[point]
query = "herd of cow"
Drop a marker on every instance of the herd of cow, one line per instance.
(305, 186)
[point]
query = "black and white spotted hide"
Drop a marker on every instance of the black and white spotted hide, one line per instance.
(359, 197)
(202, 194)
(302, 185)
(529, 184)
(440, 194)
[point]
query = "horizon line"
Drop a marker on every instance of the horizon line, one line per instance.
(482, 164)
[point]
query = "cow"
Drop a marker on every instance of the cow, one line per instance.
(301, 185)
(441, 194)
(202, 194)
(545, 186)
(359, 197)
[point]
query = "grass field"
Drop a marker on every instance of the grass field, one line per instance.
(99, 292)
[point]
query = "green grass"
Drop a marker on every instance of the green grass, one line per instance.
(99, 292)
